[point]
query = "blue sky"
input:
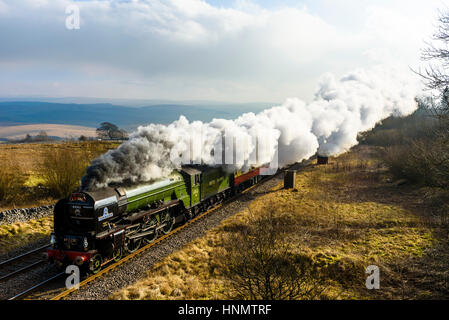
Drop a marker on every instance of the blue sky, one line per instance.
(240, 51)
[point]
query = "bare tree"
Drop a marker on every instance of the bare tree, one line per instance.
(437, 54)
(436, 77)
(260, 264)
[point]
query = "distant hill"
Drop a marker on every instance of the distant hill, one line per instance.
(138, 102)
(91, 115)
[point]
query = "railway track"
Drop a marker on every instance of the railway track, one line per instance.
(63, 292)
(111, 267)
(21, 263)
(42, 284)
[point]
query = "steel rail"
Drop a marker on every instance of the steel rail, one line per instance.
(30, 266)
(23, 255)
(33, 288)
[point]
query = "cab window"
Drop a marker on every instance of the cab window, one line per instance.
(197, 179)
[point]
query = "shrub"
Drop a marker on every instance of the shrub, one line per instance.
(398, 131)
(382, 138)
(422, 161)
(62, 169)
(260, 264)
(11, 182)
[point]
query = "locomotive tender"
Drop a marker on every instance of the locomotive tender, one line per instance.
(94, 228)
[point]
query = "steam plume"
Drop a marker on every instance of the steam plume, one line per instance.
(328, 126)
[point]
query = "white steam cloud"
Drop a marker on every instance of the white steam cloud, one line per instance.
(329, 125)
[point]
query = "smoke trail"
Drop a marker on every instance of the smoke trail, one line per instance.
(328, 125)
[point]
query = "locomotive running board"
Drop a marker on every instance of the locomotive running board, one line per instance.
(139, 215)
(146, 233)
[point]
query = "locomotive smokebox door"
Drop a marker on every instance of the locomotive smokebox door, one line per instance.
(119, 239)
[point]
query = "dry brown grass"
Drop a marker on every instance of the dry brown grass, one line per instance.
(24, 183)
(344, 217)
(62, 170)
(13, 236)
(10, 182)
(24, 163)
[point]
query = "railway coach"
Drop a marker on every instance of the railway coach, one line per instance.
(93, 228)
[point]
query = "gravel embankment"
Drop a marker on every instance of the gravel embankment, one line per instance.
(136, 268)
(23, 215)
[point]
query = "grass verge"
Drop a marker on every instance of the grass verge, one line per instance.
(343, 217)
(16, 235)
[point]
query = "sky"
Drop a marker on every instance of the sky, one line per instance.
(215, 50)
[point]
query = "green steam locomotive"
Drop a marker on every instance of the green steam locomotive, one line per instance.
(94, 228)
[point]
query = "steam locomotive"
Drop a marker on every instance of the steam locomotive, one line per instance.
(94, 228)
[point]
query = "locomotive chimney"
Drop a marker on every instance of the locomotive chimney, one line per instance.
(289, 179)
(322, 160)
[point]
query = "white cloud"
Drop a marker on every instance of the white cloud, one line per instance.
(188, 49)
(3, 7)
